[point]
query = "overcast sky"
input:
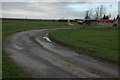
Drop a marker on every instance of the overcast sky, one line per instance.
(53, 10)
(59, 0)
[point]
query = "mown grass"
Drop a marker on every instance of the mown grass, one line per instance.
(16, 26)
(11, 70)
(100, 43)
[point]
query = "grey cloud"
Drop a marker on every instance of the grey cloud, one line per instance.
(41, 9)
(20, 5)
(60, 0)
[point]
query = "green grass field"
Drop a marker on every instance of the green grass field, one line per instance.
(100, 43)
(11, 70)
(10, 27)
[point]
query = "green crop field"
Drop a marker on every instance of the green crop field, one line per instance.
(100, 43)
(10, 70)
(16, 26)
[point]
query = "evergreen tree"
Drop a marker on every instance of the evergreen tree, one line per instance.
(114, 18)
(107, 17)
(117, 17)
(104, 17)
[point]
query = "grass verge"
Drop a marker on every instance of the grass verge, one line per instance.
(100, 43)
(10, 70)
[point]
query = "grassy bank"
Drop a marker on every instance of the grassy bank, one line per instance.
(10, 70)
(100, 43)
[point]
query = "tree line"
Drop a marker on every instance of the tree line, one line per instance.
(98, 13)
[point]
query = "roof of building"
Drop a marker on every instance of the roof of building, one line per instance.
(106, 20)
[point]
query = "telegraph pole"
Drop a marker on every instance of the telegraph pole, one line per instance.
(26, 18)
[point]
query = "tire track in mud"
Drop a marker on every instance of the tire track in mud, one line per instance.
(41, 62)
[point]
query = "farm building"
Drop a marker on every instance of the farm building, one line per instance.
(101, 23)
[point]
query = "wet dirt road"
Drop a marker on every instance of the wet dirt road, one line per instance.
(43, 59)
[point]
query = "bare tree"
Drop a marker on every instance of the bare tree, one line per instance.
(89, 14)
(100, 11)
(97, 13)
(109, 16)
(86, 14)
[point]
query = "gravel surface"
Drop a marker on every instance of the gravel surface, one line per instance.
(43, 59)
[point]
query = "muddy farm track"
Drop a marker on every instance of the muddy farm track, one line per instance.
(40, 58)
